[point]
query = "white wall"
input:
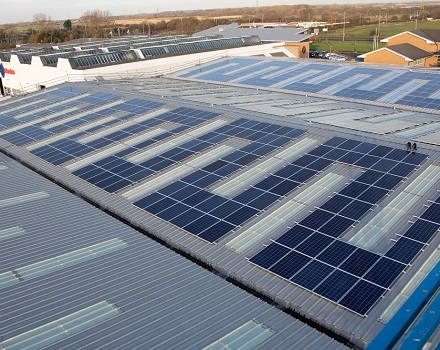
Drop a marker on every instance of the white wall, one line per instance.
(29, 77)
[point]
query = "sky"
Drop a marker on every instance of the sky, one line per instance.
(14, 11)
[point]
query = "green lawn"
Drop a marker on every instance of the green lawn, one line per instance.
(344, 46)
(364, 32)
(386, 29)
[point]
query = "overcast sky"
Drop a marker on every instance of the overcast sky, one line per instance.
(23, 10)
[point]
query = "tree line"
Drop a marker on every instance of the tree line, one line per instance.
(101, 24)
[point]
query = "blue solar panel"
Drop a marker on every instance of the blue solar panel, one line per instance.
(304, 160)
(402, 169)
(362, 297)
(364, 147)
(404, 250)
(314, 245)
(432, 213)
(249, 195)
(384, 165)
(320, 150)
(349, 144)
(373, 195)
(184, 193)
(268, 182)
(269, 256)
(140, 175)
(336, 253)
(354, 189)
(187, 217)
(366, 161)
(241, 215)
(422, 230)
(226, 209)
(211, 203)
(295, 236)
(287, 171)
(336, 226)
(320, 164)
(380, 151)
(197, 197)
(316, 219)
(336, 285)
(396, 91)
(359, 262)
(160, 205)
(263, 201)
(290, 264)
(388, 181)
(384, 272)
(173, 211)
(336, 203)
(284, 187)
(415, 158)
(335, 154)
(356, 209)
(312, 274)
(201, 224)
(216, 231)
(302, 175)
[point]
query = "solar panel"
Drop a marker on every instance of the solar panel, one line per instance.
(191, 204)
(405, 88)
(290, 264)
(362, 297)
(335, 286)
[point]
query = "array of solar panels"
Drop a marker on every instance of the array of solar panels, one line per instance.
(107, 52)
(189, 203)
(347, 80)
(102, 59)
(310, 254)
(199, 46)
(126, 42)
(20, 111)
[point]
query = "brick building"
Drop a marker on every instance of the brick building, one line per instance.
(411, 48)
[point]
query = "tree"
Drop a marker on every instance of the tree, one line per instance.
(67, 24)
(41, 21)
(96, 23)
(404, 17)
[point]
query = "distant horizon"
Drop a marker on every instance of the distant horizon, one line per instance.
(23, 10)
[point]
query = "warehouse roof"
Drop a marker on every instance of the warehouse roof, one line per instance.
(74, 272)
(325, 213)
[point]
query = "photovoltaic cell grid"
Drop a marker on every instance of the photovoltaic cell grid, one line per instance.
(370, 85)
(310, 253)
(27, 104)
(114, 172)
(189, 204)
(43, 130)
(68, 148)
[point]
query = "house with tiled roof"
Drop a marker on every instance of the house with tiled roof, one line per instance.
(411, 48)
(428, 40)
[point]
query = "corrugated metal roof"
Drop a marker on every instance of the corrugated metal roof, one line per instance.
(360, 330)
(138, 295)
(265, 34)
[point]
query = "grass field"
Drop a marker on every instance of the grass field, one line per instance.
(344, 46)
(386, 29)
(353, 36)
